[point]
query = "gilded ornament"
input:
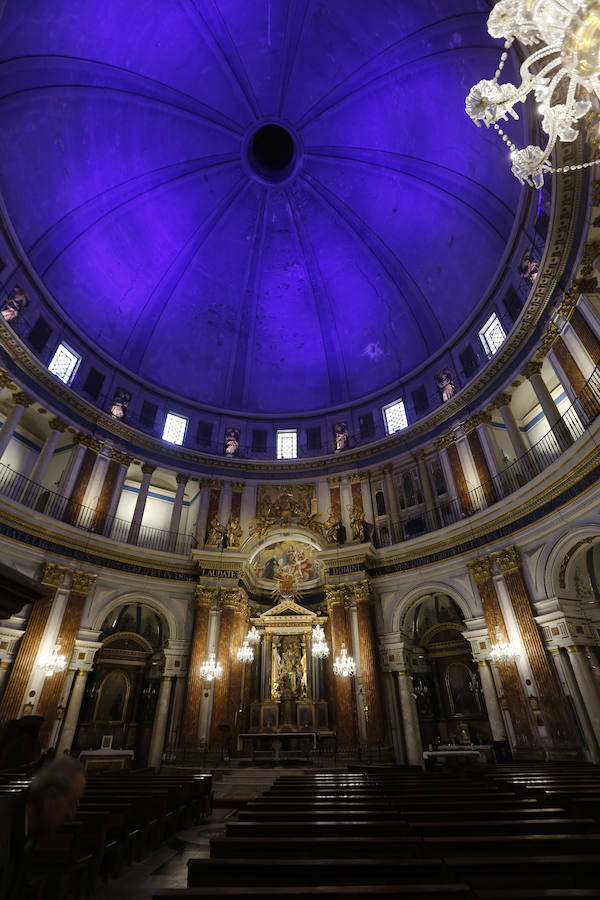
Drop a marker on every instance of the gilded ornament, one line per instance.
(334, 595)
(82, 582)
(22, 399)
(508, 559)
(53, 575)
(57, 425)
(481, 569)
(361, 591)
(533, 367)
(204, 595)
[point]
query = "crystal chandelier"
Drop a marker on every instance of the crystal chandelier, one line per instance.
(210, 669)
(419, 690)
(344, 665)
(566, 35)
(253, 636)
(320, 647)
(245, 653)
(502, 652)
(54, 662)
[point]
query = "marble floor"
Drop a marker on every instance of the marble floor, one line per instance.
(167, 866)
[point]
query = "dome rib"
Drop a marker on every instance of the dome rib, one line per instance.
(219, 34)
(293, 37)
(415, 303)
(67, 230)
(152, 310)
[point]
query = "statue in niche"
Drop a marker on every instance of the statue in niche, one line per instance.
(119, 404)
(332, 528)
(232, 441)
(357, 523)
(216, 533)
(340, 436)
(528, 267)
(14, 304)
(234, 533)
(445, 382)
(289, 668)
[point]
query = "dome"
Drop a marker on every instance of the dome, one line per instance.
(264, 207)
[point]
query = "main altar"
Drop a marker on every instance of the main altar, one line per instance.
(289, 713)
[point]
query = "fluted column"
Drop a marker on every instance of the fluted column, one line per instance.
(551, 697)
(71, 471)
(587, 688)
(514, 434)
(340, 634)
(458, 475)
(491, 701)
(53, 687)
(525, 733)
(431, 507)
(367, 497)
(159, 728)
(77, 494)
(533, 372)
(470, 428)
(140, 506)
(12, 699)
(586, 335)
(587, 400)
(237, 670)
(371, 677)
(72, 712)
(202, 520)
(391, 495)
(175, 523)
(198, 653)
(410, 720)
(113, 483)
(230, 600)
(41, 464)
(21, 402)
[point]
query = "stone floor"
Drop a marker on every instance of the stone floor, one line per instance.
(166, 867)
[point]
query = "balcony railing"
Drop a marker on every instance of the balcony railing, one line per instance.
(35, 496)
(571, 426)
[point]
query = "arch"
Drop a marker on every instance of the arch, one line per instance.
(405, 605)
(137, 597)
(551, 559)
(256, 542)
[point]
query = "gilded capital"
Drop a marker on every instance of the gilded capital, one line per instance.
(121, 457)
(481, 569)
(569, 300)
(356, 477)
(82, 582)
(333, 480)
(5, 379)
(334, 595)
(22, 399)
(204, 595)
(361, 591)
(147, 469)
(237, 486)
(234, 598)
(419, 456)
(53, 575)
(470, 424)
(182, 479)
(57, 425)
(533, 367)
(483, 417)
(548, 338)
(445, 441)
(508, 559)
(502, 399)
(215, 484)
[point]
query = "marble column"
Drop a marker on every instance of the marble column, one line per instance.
(221, 727)
(587, 401)
(586, 335)
(33, 490)
(225, 502)
(335, 500)
(340, 634)
(72, 712)
(514, 433)
(202, 521)
(440, 445)
(391, 497)
(491, 449)
(71, 620)
(491, 701)
(367, 498)
(361, 696)
(21, 402)
(458, 475)
(121, 462)
(75, 510)
(346, 503)
(484, 475)
(198, 654)
(565, 673)
(533, 372)
(175, 522)
(587, 688)
(432, 512)
(410, 720)
(551, 698)
(140, 506)
(393, 716)
(525, 733)
(29, 645)
(369, 661)
(159, 728)
(70, 473)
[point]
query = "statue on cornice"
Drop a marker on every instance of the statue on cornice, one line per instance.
(357, 523)
(216, 532)
(234, 533)
(332, 528)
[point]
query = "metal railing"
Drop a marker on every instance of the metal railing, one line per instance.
(28, 493)
(570, 427)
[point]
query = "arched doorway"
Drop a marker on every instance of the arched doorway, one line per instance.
(446, 687)
(122, 688)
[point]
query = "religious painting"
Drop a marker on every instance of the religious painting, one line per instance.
(305, 713)
(528, 267)
(462, 697)
(285, 501)
(119, 404)
(14, 305)
(232, 441)
(288, 668)
(270, 716)
(112, 698)
(340, 436)
(286, 558)
(445, 384)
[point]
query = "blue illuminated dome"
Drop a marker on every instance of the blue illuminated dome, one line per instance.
(260, 206)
